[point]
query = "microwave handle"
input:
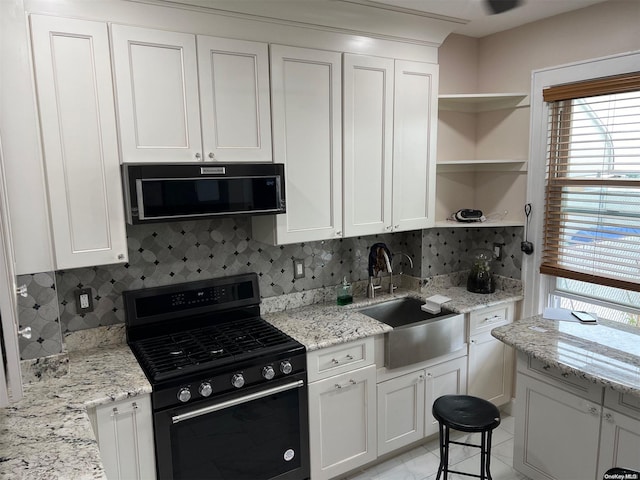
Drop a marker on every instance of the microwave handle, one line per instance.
(236, 401)
(140, 199)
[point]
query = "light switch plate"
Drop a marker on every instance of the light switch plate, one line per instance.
(298, 268)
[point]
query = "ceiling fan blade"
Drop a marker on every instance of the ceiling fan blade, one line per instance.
(501, 6)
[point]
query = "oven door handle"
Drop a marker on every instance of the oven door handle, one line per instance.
(236, 401)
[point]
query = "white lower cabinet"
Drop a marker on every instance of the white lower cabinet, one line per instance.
(400, 411)
(124, 431)
(404, 402)
(342, 422)
(565, 429)
(447, 378)
(491, 361)
(556, 432)
(620, 433)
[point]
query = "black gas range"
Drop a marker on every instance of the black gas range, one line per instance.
(229, 390)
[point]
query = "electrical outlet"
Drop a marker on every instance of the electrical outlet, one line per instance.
(298, 268)
(84, 301)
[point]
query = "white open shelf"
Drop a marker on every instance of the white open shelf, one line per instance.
(487, 224)
(482, 102)
(500, 165)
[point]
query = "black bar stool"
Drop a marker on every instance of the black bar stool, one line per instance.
(465, 414)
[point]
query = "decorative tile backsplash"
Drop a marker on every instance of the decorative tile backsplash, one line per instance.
(167, 253)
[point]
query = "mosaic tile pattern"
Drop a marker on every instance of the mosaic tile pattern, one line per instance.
(167, 253)
(39, 310)
(449, 250)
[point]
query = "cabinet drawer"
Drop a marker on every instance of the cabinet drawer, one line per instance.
(485, 320)
(555, 377)
(622, 402)
(340, 358)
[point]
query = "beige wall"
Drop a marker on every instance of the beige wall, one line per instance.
(506, 59)
(503, 62)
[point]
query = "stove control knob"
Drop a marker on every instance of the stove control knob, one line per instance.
(285, 367)
(237, 380)
(184, 395)
(205, 389)
(268, 372)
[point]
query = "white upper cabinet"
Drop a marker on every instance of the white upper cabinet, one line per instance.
(169, 92)
(157, 91)
(78, 125)
(390, 117)
(307, 138)
(234, 100)
(414, 145)
(368, 144)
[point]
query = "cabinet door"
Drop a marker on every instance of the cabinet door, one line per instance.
(556, 434)
(125, 438)
(619, 442)
(307, 138)
(342, 422)
(234, 100)
(368, 144)
(77, 118)
(490, 369)
(449, 378)
(414, 142)
(400, 411)
(156, 77)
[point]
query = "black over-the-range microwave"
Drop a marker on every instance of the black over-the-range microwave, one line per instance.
(189, 191)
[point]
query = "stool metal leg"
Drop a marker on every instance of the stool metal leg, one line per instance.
(488, 446)
(446, 452)
(483, 450)
(442, 448)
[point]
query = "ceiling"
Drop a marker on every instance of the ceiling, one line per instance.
(479, 20)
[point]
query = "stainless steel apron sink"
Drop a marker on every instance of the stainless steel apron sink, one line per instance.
(417, 335)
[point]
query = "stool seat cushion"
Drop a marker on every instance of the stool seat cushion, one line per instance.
(466, 413)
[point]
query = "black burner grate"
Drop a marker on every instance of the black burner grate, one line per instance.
(176, 354)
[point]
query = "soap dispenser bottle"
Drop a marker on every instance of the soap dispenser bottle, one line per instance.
(344, 293)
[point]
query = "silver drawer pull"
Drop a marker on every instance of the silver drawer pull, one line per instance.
(335, 362)
(350, 384)
(349, 357)
(493, 319)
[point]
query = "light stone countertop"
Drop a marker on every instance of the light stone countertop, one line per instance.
(325, 324)
(47, 435)
(607, 353)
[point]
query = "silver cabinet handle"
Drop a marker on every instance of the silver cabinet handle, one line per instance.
(25, 332)
(350, 384)
(609, 417)
(121, 256)
(593, 411)
(198, 156)
(212, 155)
(22, 291)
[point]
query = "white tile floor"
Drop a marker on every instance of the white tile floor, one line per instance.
(422, 462)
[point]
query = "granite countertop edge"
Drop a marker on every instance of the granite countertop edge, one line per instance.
(542, 339)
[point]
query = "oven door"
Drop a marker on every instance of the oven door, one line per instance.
(259, 433)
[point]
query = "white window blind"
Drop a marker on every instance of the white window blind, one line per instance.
(592, 210)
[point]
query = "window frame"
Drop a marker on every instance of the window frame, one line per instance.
(539, 287)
